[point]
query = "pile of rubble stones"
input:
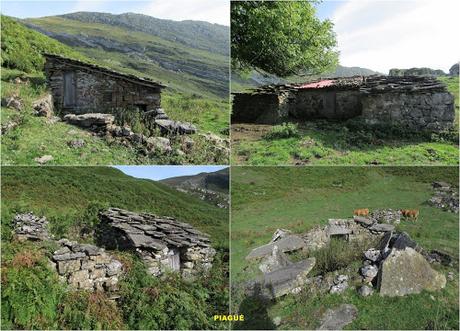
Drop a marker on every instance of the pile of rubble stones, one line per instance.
(86, 267)
(27, 226)
(396, 267)
(445, 197)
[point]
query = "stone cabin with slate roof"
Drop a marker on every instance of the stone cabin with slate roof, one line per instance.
(418, 103)
(78, 87)
(163, 243)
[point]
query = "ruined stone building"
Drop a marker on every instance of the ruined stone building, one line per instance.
(419, 103)
(163, 243)
(78, 87)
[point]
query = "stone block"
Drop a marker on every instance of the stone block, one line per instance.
(68, 266)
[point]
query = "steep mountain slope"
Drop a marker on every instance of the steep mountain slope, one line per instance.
(66, 191)
(188, 56)
(208, 186)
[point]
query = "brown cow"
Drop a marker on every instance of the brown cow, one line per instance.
(361, 212)
(410, 213)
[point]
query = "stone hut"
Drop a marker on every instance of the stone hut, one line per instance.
(163, 243)
(419, 103)
(78, 87)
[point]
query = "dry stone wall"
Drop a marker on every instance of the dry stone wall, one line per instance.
(28, 226)
(86, 267)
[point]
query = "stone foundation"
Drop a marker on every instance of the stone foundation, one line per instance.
(27, 226)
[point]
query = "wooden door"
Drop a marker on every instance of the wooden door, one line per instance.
(329, 105)
(174, 261)
(69, 89)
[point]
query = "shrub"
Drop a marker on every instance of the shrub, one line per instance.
(152, 303)
(285, 130)
(86, 310)
(30, 293)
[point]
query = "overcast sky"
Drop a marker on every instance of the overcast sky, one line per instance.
(381, 35)
(213, 11)
(162, 172)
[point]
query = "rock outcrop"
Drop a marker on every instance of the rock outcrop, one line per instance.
(87, 267)
(44, 106)
(406, 272)
(164, 243)
(28, 226)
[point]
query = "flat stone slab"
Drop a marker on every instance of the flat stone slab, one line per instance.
(282, 281)
(286, 244)
(337, 230)
(338, 318)
(406, 272)
(381, 227)
(363, 220)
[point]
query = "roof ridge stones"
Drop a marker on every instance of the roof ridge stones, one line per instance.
(85, 65)
(365, 84)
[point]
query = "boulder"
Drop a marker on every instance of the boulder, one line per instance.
(44, 159)
(159, 145)
(366, 221)
(369, 272)
(44, 106)
(173, 127)
(389, 216)
(13, 102)
(340, 284)
(365, 291)
(402, 240)
(442, 186)
(339, 317)
(274, 261)
(406, 272)
(78, 143)
(372, 254)
(286, 244)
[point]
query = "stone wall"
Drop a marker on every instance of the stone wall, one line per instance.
(86, 267)
(327, 104)
(258, 108)
(98, 91)
(27, 226)
(432, 111)
(163, 243)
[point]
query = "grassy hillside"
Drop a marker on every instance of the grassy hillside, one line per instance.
(22, 48)
(66, 191)
(216, 181)
(70, 197)
(183, 67)
(267, 198)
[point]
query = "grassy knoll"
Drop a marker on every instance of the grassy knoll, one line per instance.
(267, 198)
(70, 197)
(323, 142)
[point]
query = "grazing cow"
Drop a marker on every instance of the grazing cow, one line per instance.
(361, 212)
(410, 213)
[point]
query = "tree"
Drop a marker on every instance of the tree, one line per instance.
(281, 38)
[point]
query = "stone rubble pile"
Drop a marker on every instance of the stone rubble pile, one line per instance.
(445, 197)
(164, 243)
(87, 267)
(27, 226)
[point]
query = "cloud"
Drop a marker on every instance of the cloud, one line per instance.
(213, 11)
(381, 35)
(89, 5)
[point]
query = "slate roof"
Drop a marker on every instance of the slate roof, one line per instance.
(151, 231)
(365, 84)
(89, 66)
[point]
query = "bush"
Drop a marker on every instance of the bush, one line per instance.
(30, 292)
(84, 310)
(172, 303)
(285, 130)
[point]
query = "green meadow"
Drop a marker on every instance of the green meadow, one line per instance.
(267, 198)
